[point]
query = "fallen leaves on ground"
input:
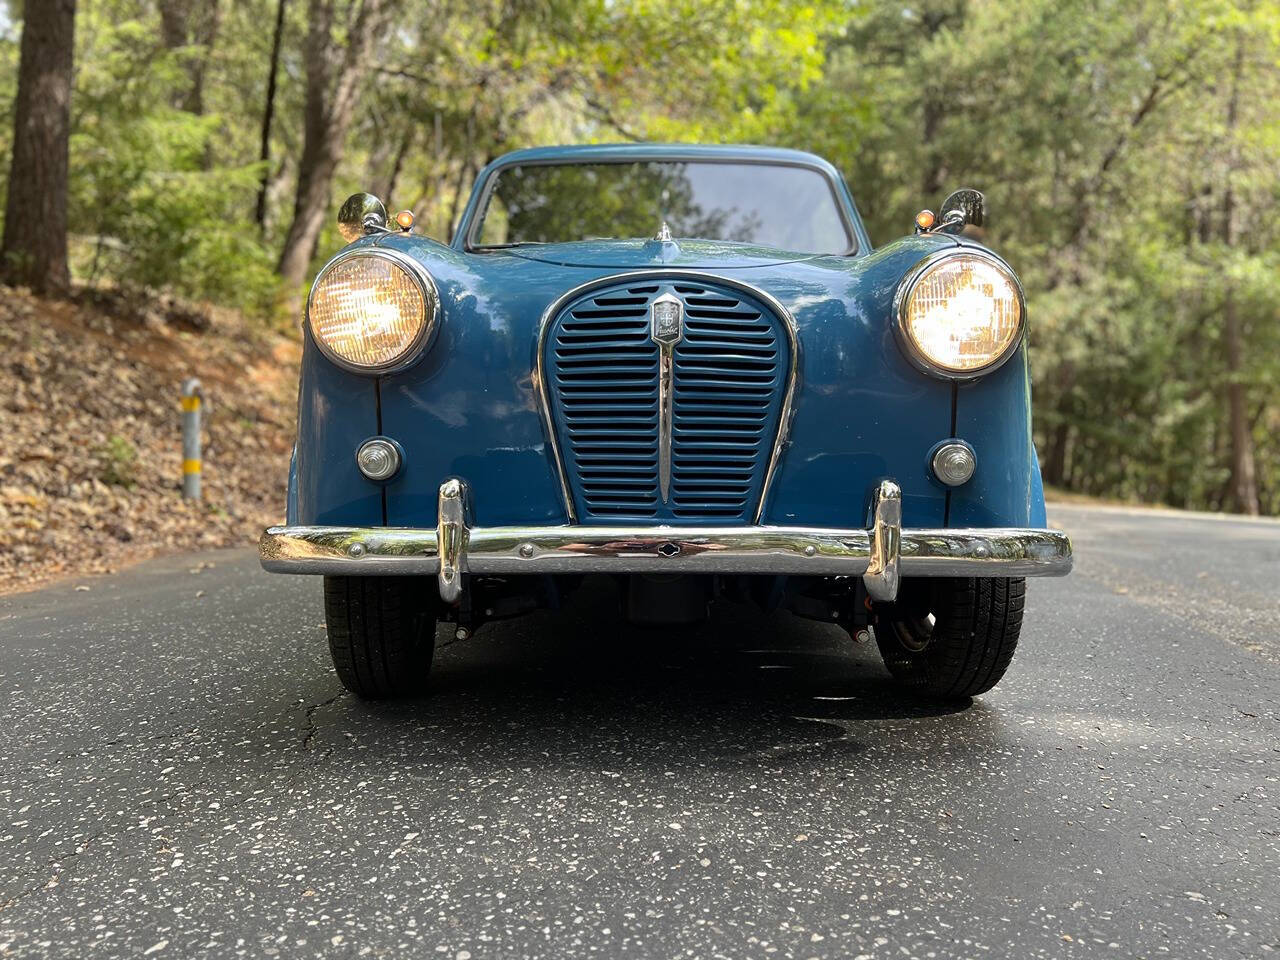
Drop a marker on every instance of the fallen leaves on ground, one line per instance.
(91, 463)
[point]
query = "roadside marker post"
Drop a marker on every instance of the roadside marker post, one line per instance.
(191, 396)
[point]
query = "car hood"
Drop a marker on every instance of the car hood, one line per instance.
(702, 254)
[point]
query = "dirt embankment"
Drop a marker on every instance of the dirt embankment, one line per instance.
(91, 439)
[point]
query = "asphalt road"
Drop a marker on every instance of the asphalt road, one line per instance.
(181, 775)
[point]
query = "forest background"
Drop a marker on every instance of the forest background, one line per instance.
(1129, 150)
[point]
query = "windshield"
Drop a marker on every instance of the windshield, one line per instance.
(772, 205)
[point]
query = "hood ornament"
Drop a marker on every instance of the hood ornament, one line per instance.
(664, 233)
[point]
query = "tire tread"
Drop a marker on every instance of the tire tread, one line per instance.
(978, 621)
(381, 635)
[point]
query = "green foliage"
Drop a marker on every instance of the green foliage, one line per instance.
(1129, 150)
(119, 462)
(151, 208)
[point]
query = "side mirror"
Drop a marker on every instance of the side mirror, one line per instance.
(361, 213)
(961, 209)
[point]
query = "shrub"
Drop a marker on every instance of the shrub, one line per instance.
(119, 462)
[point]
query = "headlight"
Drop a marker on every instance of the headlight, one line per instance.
(372, 309)
(960, 314)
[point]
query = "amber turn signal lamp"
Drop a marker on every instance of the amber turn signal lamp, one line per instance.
(405, 219)
(924, 219)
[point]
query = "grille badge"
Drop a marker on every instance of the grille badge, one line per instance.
(668, 319)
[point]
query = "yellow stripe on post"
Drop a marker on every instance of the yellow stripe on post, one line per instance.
(191, 438)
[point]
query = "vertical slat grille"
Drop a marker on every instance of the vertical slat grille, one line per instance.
(728, 378)
(604, 367)
(730, 372)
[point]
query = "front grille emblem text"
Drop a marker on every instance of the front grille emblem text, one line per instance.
(668, 319)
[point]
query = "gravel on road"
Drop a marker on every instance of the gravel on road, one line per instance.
(181, 775)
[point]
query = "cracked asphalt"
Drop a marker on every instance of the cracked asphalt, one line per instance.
(181, 775)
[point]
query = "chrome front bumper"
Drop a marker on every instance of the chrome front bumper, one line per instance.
(881, 555)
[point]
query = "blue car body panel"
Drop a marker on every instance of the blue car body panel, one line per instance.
(337, 410)
(471, 408)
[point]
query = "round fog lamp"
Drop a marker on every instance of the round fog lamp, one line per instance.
(378, 459)
(954, 463)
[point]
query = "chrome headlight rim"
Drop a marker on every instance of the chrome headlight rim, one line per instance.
(417, 349)
(909, 348)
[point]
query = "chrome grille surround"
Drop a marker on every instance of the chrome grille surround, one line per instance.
(690, 286)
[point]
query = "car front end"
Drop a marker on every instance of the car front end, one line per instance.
(837, 433)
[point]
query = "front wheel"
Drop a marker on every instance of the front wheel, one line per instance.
(381, 634)
(951, 637)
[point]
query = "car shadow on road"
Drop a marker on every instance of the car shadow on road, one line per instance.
(580, 686)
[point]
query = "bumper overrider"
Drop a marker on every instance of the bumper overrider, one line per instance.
(881, 554)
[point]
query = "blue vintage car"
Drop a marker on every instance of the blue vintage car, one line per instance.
(684, 367)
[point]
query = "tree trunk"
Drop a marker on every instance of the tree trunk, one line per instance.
(459, 191)
(33, 252)
(935, 105)
(935, 167)
(181, 26)
(334, 77)
(173, 24)
(1055, 457)
(464, 168)
(1244, 475)
(388, 166)
(268, 114)
(1244, 478)
(206, 35)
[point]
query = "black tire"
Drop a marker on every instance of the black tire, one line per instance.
(951, 637)
(381, 634)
